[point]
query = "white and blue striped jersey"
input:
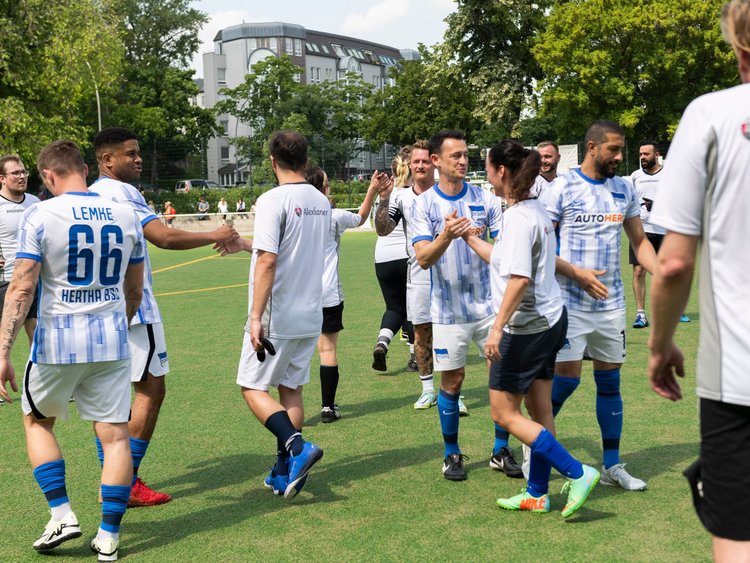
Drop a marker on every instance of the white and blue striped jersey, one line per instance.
(589, 215)
(460, 289)
(401, 210)
(148, 312)
(85, 243)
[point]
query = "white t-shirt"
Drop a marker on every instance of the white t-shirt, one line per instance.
(460, 291)
(401, 211)
(527, 247)
(589, 214)
(393, 245)
(85, 243)
(10, 218)
(292, 221)
(148, 312)
(540, 185)
(705, 192)
(341, 220)
(647, 187)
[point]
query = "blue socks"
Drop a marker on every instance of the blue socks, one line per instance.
(448, 411)
(114, 504)
(501, 439)
(562, 388)
(547, 452)
(609, 413)
(137, 449)
(51, 479)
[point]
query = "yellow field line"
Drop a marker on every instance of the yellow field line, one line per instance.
(185, 264)
(199, 290)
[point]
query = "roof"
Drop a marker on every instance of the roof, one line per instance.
(265, 29)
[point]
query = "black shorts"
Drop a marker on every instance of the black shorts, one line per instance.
(525, 358)
(720, 479)
(333, 319)
(655, 242)
(33, 313)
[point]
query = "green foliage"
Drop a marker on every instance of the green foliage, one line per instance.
(636, 62)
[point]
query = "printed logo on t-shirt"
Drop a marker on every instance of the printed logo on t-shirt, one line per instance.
(298, 211)
(746, 129)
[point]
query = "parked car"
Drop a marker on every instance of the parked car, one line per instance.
(477, 176)
(184, 186)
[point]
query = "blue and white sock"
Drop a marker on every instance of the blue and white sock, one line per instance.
(114, 505)
(609, 413)
(51, 479)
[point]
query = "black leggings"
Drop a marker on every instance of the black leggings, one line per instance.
(392, 279)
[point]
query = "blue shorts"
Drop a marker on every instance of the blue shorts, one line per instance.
(525, 358)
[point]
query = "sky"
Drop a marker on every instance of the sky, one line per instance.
(402, 24)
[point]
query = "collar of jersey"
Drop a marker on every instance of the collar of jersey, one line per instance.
(459, 195)
(590, 180)
(85, 194)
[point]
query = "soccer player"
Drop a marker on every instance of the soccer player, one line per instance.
(292, 222)
(87, 253)
(549, 151)
(705, 182)
(118, 156)
(333, 295)
(646, 182)
(460, 304)
(387, 217)
(529, 328)
(590, 206)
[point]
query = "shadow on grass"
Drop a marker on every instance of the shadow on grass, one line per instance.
(229, 510)
(350, 411)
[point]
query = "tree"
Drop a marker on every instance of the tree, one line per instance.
(637, 62)
(51, 52)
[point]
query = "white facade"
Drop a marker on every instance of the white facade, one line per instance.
(323, 56)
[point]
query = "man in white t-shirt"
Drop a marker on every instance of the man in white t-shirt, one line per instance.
(387, 217)
(13, 202)
(460, 303)
(590, 206)
(118, 156)
(86, 253)
(549, 151)
(706, 186)
(292, 222)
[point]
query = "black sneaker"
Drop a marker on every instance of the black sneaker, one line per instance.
(378, 357)
(329, 414)
(505, 461)
(453, 467)
(412, 366)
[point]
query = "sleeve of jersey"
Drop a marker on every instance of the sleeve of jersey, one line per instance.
(552, 199)
(347, 220)
(138, 254)
(394, 209)
(30, 234)
(515, 246)
(494, 216)
(683, 187)
(420, 222)
(634, 201)
(142, 210)
(269, 215)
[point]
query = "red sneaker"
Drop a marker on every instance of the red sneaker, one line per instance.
(143, 495)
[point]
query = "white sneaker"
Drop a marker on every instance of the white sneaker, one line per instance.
(616, 475)
(58, 531)
(106, 548)
(462, 410)
(526, 464)
(426, 400)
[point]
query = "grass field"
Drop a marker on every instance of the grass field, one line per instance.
(378, 494)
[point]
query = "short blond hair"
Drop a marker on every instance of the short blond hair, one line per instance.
(735, 24)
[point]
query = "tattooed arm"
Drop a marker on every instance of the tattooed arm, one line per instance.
(18, 300)
(384, 225)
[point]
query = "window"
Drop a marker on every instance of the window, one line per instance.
(325, 49)
(298, 47)
(308, 46)
(329, 74)
(317, 74)
(315, 48)
(252, 43)
(221, 76)
(273, 45)
(338, 50)
(289, 45)
(225, 154)
(224, 124)
(297, 77)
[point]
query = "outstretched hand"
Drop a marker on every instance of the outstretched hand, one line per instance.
(663, 366)
(382, 184)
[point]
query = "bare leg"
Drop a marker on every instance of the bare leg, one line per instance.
(639, 287)
(118, 461)
(149, 396)
(730, 551)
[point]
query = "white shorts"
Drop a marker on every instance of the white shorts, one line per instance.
(418, 304)
(450, 343)
(603, 332)
(101, 390)
(290, 366)
(148, 351)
